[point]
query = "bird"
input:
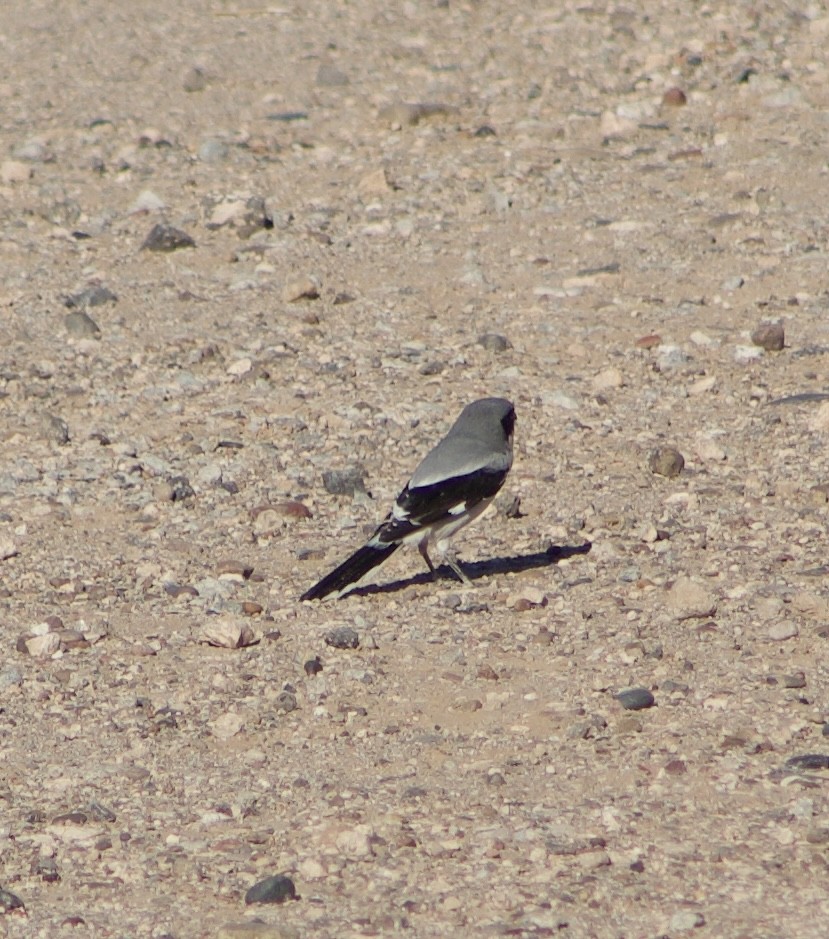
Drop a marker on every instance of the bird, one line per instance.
(450, 487)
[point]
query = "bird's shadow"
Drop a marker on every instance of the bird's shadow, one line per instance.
(475, 570)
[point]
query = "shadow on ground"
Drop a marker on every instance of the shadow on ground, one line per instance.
(476, 570)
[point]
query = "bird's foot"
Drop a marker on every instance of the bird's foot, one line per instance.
(458, 570)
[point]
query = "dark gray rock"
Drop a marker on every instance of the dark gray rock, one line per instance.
(312, 666)
(10, 901)
(286, 701)
(344, 482)
(769, 336)
(635, 699)
(276, 889)
(343, 637)
(166, 238)
(181, 490)
(666, 461)
(92, 296)
(494, 342)
(808, 761)
(56, 429)
(80, 325)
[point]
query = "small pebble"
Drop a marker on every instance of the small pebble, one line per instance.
(10, 677)
(343, 637)
(666, 461)
(635, 699)
(494, 342)
(344, 482)
(744, 355)
(769, 336)
(287, 117)
(180, 489)
(47, 869)
(166, 238)
(15, 171)
(818, 835)
(276, 889)
(508, 505)
(194, 80)
(674, 98)
(670, 357)
(608, 379)
(649, 342)
(43, 647)
(234, 570)
(795, 680)
(302, 288)
(292, 509)
(286, 702)
(80, 325)
(10, 901)
(101, 813)
(92, 296)
(56, 429)
(213, 151)
(147, 201)
(691, 600)
(687, 919)
(227, 633)
(732, 283)
(628, 724)
(34, 151)
(313, 666)
(808, 761)
(782, 630)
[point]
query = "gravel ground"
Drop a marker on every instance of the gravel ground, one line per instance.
(244, 246)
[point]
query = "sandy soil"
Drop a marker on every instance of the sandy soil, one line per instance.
(616, 200)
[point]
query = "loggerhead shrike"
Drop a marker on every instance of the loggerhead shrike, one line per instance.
(453, 485)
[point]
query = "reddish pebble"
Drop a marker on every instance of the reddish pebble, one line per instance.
(674, 98)
(769, 336)
(292, 509)
(649, 342)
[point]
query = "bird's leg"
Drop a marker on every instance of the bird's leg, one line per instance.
(452, 561)
(424, 553)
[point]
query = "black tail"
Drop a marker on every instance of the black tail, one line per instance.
(351, 570)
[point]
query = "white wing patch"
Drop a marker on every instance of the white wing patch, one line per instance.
(458, 509)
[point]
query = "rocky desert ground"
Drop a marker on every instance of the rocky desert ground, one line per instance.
(255, 259)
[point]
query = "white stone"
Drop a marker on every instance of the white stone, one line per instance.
(226, 632)
(42, 647)
(227, 212)
(15, 171)
(689, 597)
(782, 630)
(745, 354)
(608, 378)
(240, 367)
(147, 201)
(227, 725)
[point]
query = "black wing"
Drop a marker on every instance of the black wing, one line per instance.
(426, 505)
